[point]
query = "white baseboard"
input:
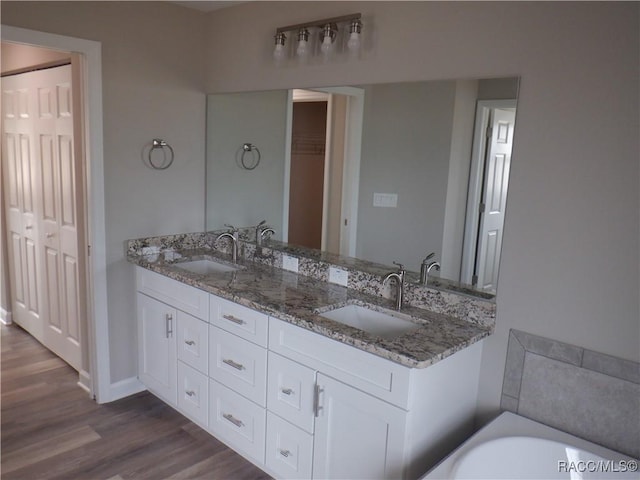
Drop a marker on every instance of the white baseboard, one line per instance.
(5, 317)
(124, 388)
(84, 381)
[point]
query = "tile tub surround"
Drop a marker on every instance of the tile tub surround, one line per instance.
(294, 298)
(582, 392)
(441, 296)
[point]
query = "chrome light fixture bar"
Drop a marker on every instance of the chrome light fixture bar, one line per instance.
(329, 30)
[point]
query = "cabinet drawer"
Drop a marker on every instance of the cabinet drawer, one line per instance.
(239, 320)
(183, 297)
(290, 389)
(193, 342)
(238, 364)
(375, 375)
(237, 421)
(289, 451)
(193, 394)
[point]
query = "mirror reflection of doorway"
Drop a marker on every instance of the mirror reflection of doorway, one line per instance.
(317, 217)
(488, 185)
(308, 149)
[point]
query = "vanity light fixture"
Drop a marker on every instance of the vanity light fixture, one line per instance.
(279, 52)
(303, 43)
(335, 35)
(355, 31)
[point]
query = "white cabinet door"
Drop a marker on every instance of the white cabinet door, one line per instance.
(157, 359)
(356, 435)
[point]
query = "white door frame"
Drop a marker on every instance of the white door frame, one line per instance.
(351, 169)
(476, 178)
(97, 304)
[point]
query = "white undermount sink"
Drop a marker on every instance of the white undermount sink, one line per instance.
(207, 267)
(383, 323)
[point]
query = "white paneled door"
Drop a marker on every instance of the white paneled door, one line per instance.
(496, 180)
(41, 182)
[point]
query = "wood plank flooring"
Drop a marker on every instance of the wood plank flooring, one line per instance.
(51, 429)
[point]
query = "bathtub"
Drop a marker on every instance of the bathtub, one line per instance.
(514, 447)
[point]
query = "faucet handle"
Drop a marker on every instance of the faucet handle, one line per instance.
(400, 266)
(261, 223)
(231, 227)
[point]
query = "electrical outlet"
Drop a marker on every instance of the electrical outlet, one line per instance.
(289, 263)
(339, 276)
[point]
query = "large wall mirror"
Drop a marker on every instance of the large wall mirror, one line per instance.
(383, 172)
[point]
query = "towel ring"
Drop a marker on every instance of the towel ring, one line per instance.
(159, 144)
(248, 147)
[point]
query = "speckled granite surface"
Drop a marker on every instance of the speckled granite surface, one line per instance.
(296, 298)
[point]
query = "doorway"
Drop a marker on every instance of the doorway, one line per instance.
(43, 162)
(322, 168)
(488, 186)
(97, 378)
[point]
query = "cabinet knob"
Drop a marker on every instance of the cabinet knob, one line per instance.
(190, 393)
(190, 342)
(285, 453)
(286, 391)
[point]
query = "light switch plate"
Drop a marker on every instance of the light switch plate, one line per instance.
(385, 200)
(339, 276)
(289, 263)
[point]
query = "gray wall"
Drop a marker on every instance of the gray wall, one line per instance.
(232, 120)
(152, 66)
(570, 258)
(406, 141)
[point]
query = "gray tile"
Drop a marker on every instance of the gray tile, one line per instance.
(550, 348)
(588, 404)
(509, 404)
(616, 367)
(513, 367)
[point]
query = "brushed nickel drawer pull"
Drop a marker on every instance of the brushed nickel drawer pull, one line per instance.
(191, 393)
(236, 320)
(190, 342)
(235, 421)
(232, 364)
(286, 391)
(285, 453)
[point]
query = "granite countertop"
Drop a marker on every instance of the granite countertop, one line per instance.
(297, 298)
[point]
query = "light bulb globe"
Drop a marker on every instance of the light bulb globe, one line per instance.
(354, 42)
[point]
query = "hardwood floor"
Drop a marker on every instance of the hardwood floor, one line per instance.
(51, 429)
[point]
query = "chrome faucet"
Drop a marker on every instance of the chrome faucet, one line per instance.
(263, 230)
(399, 278)
(233, 236)
(426, 267)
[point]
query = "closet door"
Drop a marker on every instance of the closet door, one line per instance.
(52, 270)
(20, 175)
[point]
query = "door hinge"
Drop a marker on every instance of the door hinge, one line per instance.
(482, 207)
(474, 280)
(346, 222)
(88, 250)
(489, 131)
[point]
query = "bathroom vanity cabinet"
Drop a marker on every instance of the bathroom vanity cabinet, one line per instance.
(294, 402)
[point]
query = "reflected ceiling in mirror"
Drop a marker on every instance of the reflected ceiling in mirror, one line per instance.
(384, 172)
